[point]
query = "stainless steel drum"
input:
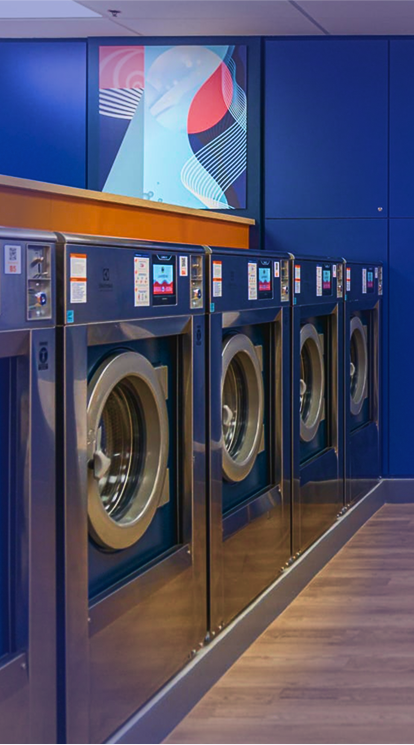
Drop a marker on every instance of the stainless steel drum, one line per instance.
(359, 365)
(312, 382)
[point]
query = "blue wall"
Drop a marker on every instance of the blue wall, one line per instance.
(338, 164)
(43, 110)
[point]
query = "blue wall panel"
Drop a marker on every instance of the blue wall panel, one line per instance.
(402, 128)
(354, 240)
(401, 360)
(326, 128)
(43, 110)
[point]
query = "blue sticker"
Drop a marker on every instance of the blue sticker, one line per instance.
(212, 306)
(70, 316)
(294, 301)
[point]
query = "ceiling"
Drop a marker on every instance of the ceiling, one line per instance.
(82, 18)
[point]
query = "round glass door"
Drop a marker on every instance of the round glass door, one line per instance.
(127, 449)
(312, 382)
(242, 406)
(358, 365)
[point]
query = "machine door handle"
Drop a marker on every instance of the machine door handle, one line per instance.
(101, 462)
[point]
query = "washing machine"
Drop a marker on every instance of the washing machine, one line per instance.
(363, 312)
(27, 487)
(131, 437)
(248, 427)
(317, 397)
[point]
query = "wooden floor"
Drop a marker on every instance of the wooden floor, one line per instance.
(338, 665)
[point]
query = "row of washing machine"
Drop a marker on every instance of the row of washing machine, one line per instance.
(176, 425)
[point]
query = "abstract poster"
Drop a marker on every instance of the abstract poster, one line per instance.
(173, 124)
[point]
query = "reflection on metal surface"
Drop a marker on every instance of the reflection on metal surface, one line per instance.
(127, 449)
(312, 382)
(242, 406)
(358, 365)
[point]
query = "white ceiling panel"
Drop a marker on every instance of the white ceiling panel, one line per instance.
(355, 17)
(239, 26)
(182, 9)
(61, 29)
(44, 9)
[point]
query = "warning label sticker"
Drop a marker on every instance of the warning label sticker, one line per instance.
(364, 281)
(141, 281)
(252, 280)
(217, 278)
(297, 279)
(183, 266)
(78, 291)
(277, 269)
(319, 281)
(348, 279)
(78, 278)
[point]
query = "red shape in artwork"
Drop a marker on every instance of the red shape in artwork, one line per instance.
(121, 67)
(211, 102)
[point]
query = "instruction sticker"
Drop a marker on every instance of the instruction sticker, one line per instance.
(348, 279)
(376, 272)
(12, 259)
(319, 281)
(183, 266)
(364, 281)
(252, 280)
(297, 279)
(217, 278)
(78, 278)
(141, 281)
(334, 270)
(277, 269)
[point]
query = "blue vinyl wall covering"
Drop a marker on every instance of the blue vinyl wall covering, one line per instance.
(326, 124)
(43, 111)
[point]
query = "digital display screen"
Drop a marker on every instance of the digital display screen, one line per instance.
(327, 280)
(163, 280)
(264, 279)
(370, 280)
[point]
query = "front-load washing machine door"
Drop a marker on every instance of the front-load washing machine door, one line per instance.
(312, 382)
(242, 406)
(127, 449)
(358, 365)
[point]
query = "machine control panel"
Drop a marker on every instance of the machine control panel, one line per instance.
(164, 279)
(196, 282)
(284, 280)
(265, 279)
(39, 282)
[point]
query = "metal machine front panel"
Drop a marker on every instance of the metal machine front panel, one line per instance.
(106, 283)
(246, 280)
(317, 398)
(130, 646)
(249, 536)
(27, 581)
(27, 488)
(363, 323)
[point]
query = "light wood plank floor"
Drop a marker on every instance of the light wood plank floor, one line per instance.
(338, 665)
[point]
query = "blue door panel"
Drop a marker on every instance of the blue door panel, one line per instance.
(326, 128)
(402, 128)
(43, 102)
(401, 358)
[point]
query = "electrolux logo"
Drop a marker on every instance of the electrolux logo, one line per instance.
(106, 283)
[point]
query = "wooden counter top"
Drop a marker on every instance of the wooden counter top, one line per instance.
(39, 205)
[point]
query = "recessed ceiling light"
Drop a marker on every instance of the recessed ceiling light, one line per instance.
(44, 9)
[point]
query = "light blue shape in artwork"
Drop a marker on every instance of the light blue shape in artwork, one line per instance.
(126, 174)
